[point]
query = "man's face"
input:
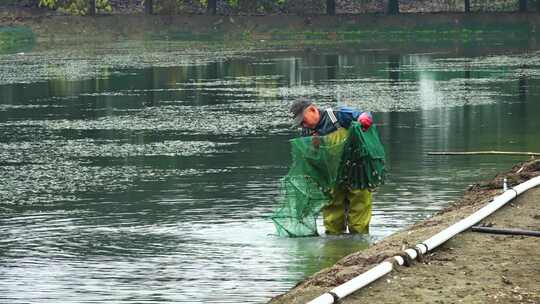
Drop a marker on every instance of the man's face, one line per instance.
(311, 117)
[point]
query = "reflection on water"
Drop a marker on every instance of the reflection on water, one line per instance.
(131, 175)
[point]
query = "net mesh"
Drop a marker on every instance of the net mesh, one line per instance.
(347, 158)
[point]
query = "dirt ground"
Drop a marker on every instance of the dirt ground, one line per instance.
(472, 267)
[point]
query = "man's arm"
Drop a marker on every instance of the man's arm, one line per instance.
(346, 115)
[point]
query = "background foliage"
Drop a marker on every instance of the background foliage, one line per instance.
(80, 7)
(75, 7)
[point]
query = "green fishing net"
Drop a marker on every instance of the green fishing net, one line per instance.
(345, 159)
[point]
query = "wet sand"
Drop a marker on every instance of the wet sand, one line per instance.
(472, 267)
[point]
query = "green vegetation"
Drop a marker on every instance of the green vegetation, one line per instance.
(467, 33)
(16, 39)
(75, 7)
(442, 36)
(273, 7)
(179, 6)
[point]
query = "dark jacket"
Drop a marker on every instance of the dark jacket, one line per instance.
(344, 116)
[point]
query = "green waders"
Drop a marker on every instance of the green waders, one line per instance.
(358, 203)
(347, 207)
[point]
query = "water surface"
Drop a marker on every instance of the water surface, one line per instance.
(140, 174)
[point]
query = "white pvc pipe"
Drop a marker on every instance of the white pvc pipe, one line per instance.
(469, 221)
(479, 215)
(362, 280)
(354, 284)
(386, 267)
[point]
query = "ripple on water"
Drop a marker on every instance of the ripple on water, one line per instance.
(159, 191)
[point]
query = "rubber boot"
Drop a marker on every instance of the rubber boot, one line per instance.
(334, 213)
(359, 210)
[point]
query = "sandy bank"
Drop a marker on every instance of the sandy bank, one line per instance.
(470, 268)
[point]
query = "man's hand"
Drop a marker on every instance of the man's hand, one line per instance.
(365, 120)
(315, 141)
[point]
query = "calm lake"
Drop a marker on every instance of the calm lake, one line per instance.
(137, 172)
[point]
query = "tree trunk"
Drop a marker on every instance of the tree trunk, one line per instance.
(393, 7)
(212, 7)
(149, 6)
(331, 7)
(91, 7)
(522, 6)
(467, 6)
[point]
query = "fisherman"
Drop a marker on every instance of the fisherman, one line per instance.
(347, 207)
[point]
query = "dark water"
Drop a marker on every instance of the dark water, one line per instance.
(135, 174)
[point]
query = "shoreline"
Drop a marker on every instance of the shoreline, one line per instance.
(370, 31)
(475, 267)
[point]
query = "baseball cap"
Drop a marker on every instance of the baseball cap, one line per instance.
(297, 109)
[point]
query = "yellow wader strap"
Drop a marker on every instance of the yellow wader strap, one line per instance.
(333, 118)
